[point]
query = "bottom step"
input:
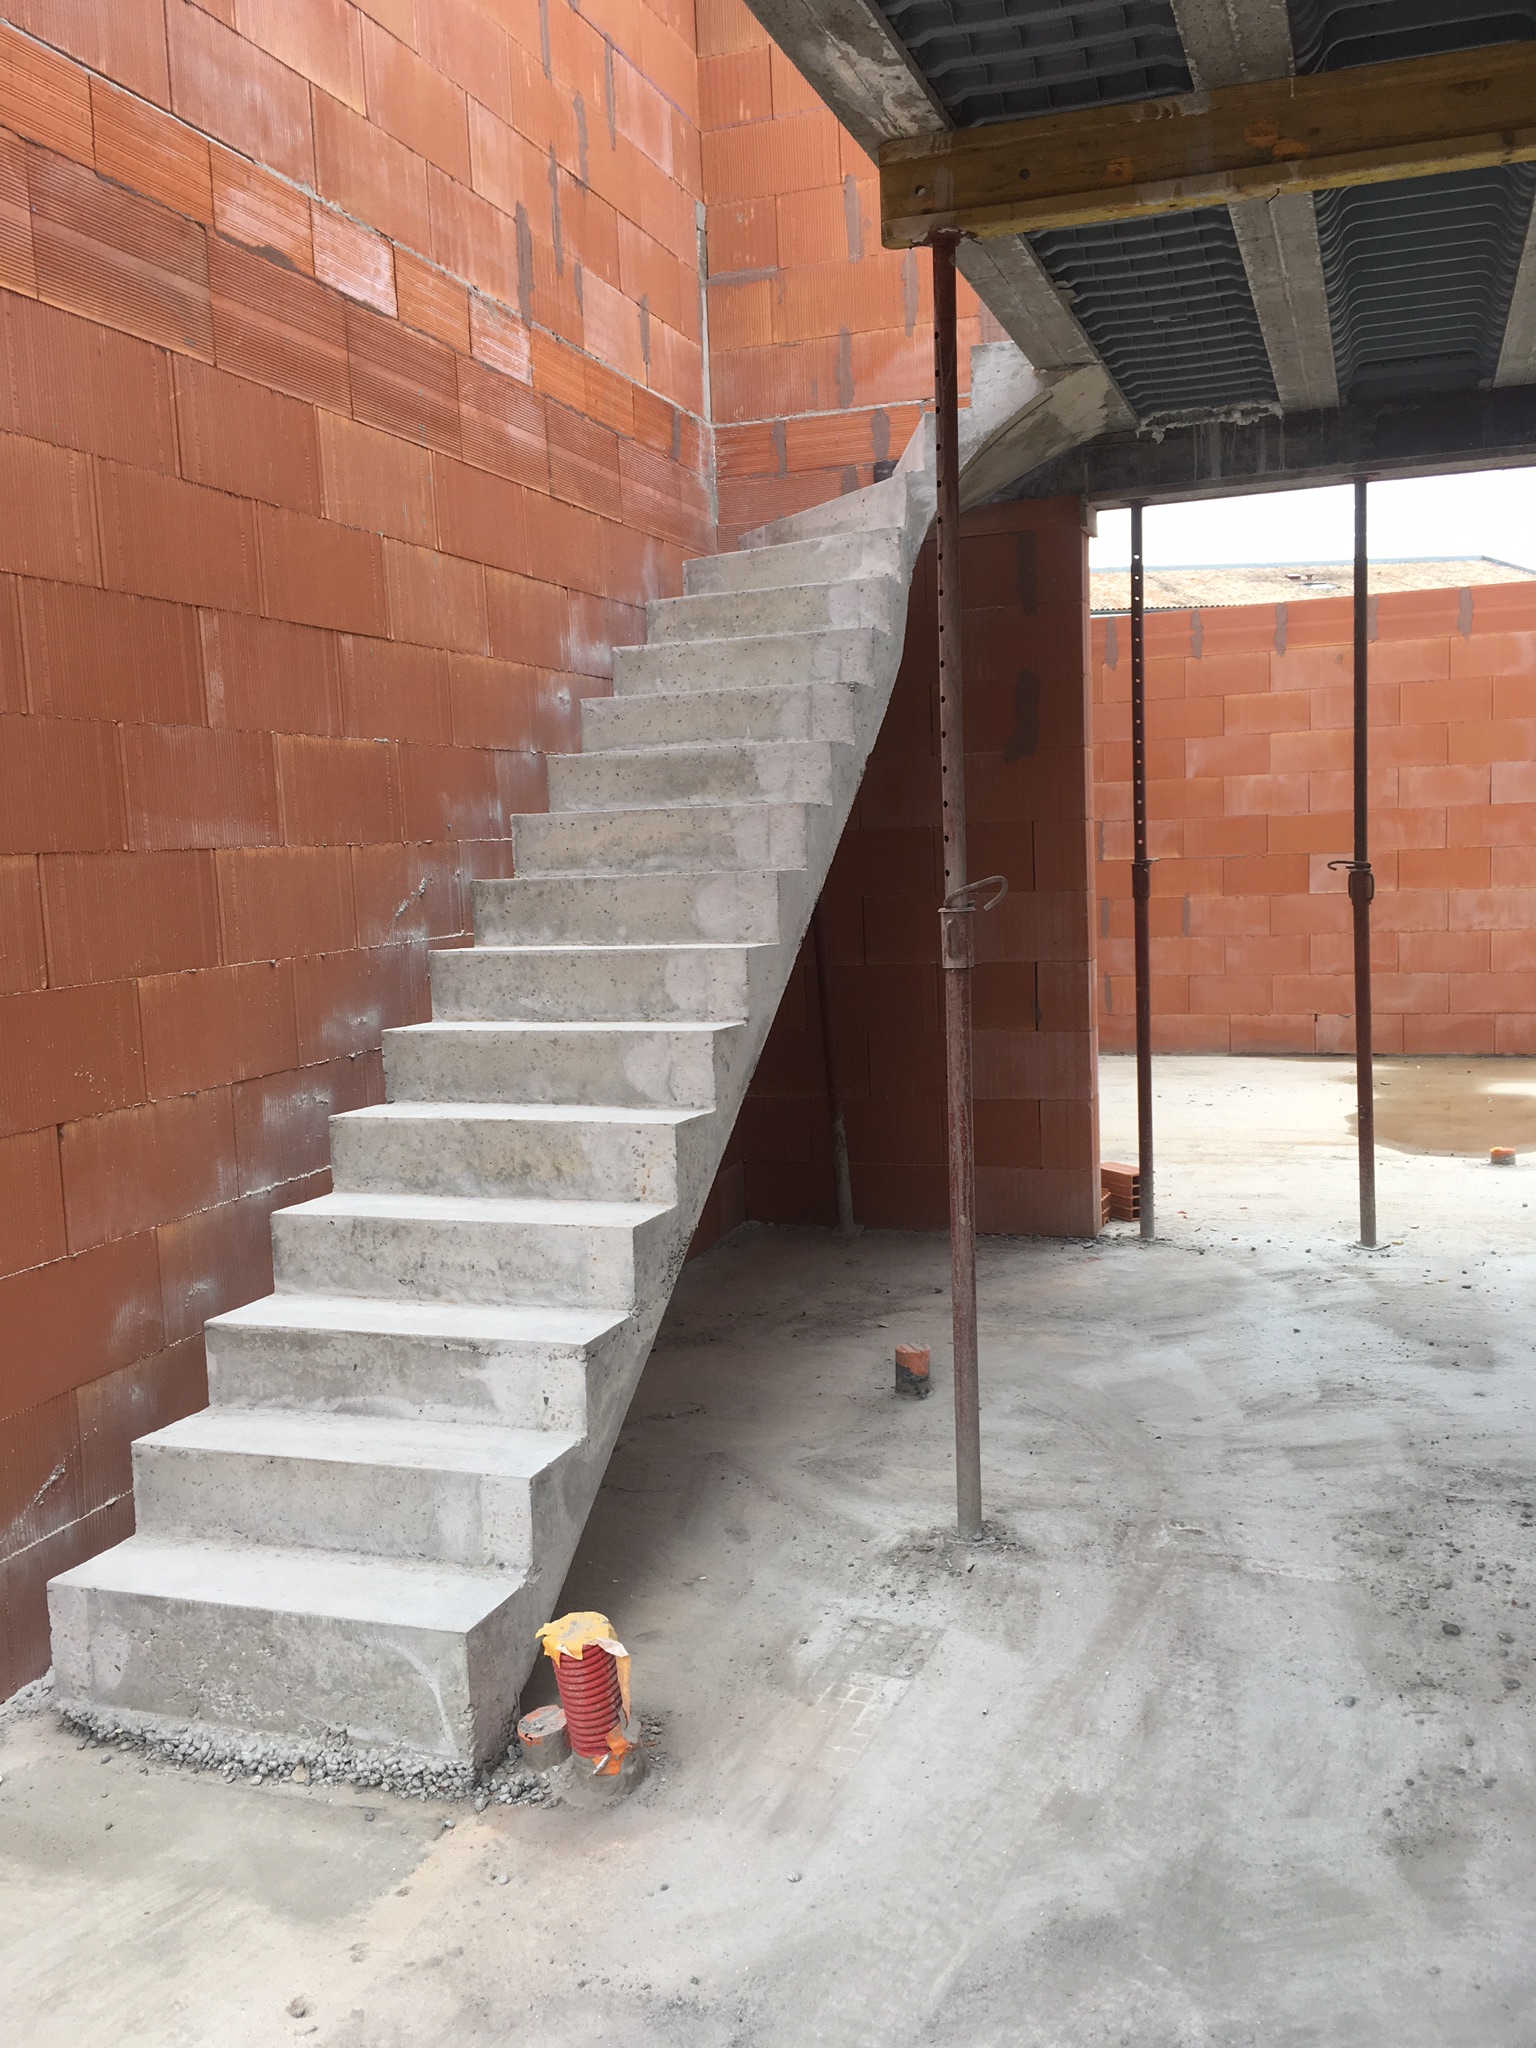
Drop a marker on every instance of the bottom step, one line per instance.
(305, 1645)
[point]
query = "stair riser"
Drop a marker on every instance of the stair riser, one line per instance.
(748, 614)
(632, 910)
(795, 772)
(820, 711)
(853, 656)
(365, 1373)
(442, 1693)
(676, 1070)
(704, 838)
(482, 1521)
(596, 1162)
(556, 1265)
(810, 561)
(686, 985)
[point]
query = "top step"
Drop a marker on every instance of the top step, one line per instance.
(834, 558)
(881, 504)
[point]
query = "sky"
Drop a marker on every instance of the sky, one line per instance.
(1490, 513)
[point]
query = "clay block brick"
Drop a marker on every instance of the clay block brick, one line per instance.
(241, 437)
(1448, 952)
(318, 574)
(23, 960)
(1270, 1035)
(449, 793)
(1275, 874)
(187, 786)
(58, 786)
(319, 39)
(96, 653)
(416, 104)
(1494, 739)
(43, 96)
(118, 258)
(480, 515)
(527, 620)
(262, 212)
(80, 385)
(140, 147)
(109, 916)
(353, 260)
(368, 174)
(583, 462)
(346, 1001)
(503, 426)
(223, 1024)
(125, 1172)
(69, 1052)
(18, 267)
(74, 1319)
(436, 600)
(31, 1200)
(224, 85)
(407, 894)
(219, 1259)
(402, 381)
(1451, 867)
(278, 327)
(376, 480)
(472, 240)
(282, 1121)
(268, 675)
(1460, 784)
(165, 538)
(47, 512)
(391, 691)
(285, 900)
(337, 792)
(121, 1406)
(433, 301)
(498, 703)
(1319, 832)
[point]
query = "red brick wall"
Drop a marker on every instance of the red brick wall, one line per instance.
(350, 408)
(1024, 585)
(1249, 752)
(821, 342)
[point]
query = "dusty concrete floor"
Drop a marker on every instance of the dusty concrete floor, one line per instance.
(1226, 1739)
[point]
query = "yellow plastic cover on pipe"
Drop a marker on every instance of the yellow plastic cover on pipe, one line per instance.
(570, 1635)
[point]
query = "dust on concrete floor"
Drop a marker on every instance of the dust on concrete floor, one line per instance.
(1226, 1739)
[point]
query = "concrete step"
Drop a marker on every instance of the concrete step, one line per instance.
(591, 984)
(483, 1148)
(489, 1248)
(738, 908)
(531, 1368)
(874, 508)
(702, 838)
(426, 1658)
(839, 556)
(855, 655)
(721, 772)
(616, 1065)
(796, 711)
(454, 1493)
(794, 608)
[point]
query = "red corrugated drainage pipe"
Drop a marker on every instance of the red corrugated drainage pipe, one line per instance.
(589, 1693)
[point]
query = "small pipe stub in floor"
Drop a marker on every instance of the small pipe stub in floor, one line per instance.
(544, 1738)
(1502, 1155)
(912, 1363)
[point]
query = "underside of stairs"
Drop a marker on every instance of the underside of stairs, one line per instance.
(357, 1539)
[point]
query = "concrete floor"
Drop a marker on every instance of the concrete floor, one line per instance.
(1225, 1738)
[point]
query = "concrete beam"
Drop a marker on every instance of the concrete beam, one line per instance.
(847, 51)
(1461, 431)
(1277, 237)
(1517, 357)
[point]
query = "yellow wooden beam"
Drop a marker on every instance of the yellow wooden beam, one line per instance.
(1407, 119)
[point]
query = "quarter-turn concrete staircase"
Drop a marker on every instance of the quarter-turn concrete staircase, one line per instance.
(356, 1541)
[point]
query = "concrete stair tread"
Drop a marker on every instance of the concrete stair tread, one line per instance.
(326, 1438)
(519, 1112)
(341, 1585)
(512, 1210)
(445, 1321)
(637, 1024)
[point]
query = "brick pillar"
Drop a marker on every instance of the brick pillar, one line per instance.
(1025, 581)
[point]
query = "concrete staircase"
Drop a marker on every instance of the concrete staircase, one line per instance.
(358, 1538)
(354, 1543)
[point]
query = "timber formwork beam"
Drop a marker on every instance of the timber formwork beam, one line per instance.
(1410, 118)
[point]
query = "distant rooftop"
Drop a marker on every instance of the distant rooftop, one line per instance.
(1180, 590)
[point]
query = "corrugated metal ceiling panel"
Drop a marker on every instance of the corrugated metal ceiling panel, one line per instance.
(997, 60)
(1331, 35)
(1166, 303)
